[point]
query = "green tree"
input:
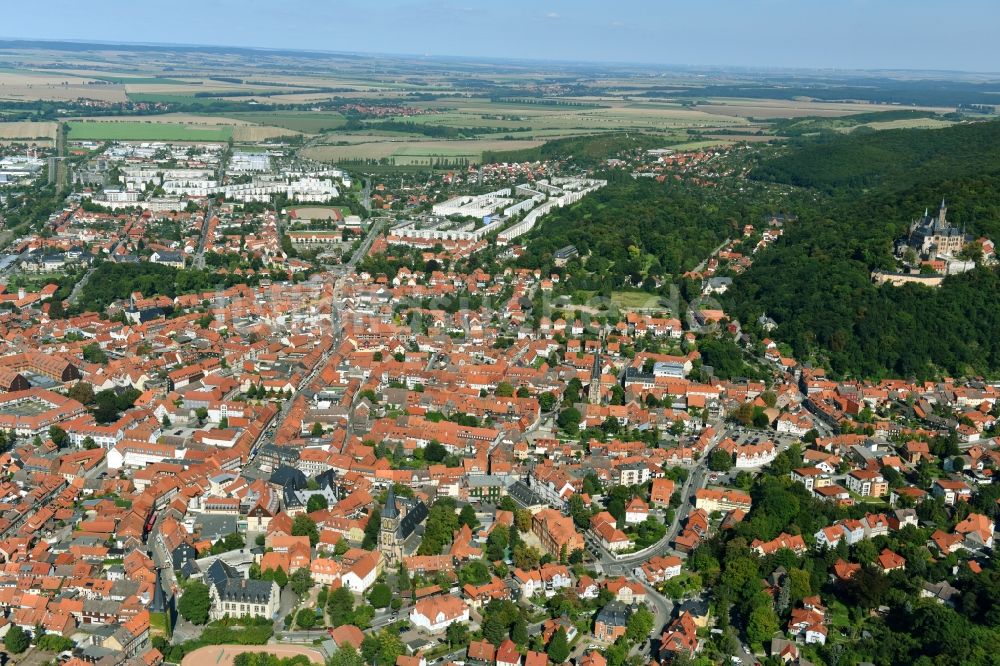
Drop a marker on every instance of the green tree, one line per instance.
(558, 649)
(340, 606)
(496, 542)
(16, 640)
(317, 503)
(58, 436)
(346, 656)
(372, 529)
(317, 429)
(82, 392)
(380, 595)
(579, 512)
(301, 581)
(303, 525)
(434, 451)
(519, 632)
(195, 602)
(494, 630)
(457, 633)
(382, 648)
(504, 390)
(522, 520)
(800, 584)
(762, 624)
(93, 353)
(442, 521)
(56, 309)
(53, 643)
(569, 420)
(305, 618)
(475, 573)
(639, 625)
(467, 516)
(546, 401)
(720, 461)
(280, 577)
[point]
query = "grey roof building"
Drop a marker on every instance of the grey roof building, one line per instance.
(236, 596)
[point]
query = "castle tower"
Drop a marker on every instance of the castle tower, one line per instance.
(388, 537)
(942, 213)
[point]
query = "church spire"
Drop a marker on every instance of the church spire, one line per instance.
(391, 510)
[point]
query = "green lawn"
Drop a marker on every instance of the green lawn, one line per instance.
(631, 300)
(140, 131)
(158, 623)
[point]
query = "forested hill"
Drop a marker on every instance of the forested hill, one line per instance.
(588, 150)
(816, 281)
(632, 231)
(868, 158)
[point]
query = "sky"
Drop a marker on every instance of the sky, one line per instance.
(842, 34)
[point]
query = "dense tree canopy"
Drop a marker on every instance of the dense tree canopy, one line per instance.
(636, 229)
(195, 602)
(815, 282)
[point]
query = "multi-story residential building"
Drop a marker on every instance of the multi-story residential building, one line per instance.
(867, 483)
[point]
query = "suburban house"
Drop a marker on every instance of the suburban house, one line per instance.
(434, 614)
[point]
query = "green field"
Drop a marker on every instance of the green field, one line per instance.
(140, 131)
(160, 98)
(300, 121)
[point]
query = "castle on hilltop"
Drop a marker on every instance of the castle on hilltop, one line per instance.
(934, 236)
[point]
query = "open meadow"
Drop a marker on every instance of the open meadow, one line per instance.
(144, 131)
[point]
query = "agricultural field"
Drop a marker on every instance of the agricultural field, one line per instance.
(919, 123)
(306, 122)
(143, 131)
(258, 133)
(771, 109)
(531, 120)
(243, 131)
(416, 151)
(32, 86)
(28, 130)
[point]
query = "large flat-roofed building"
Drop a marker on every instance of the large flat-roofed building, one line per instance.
(474, 205)
(31, 412)
(564, 254)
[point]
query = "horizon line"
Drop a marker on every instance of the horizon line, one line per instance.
(485, 58)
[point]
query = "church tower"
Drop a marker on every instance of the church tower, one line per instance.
(388, 536)
(594, 390)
